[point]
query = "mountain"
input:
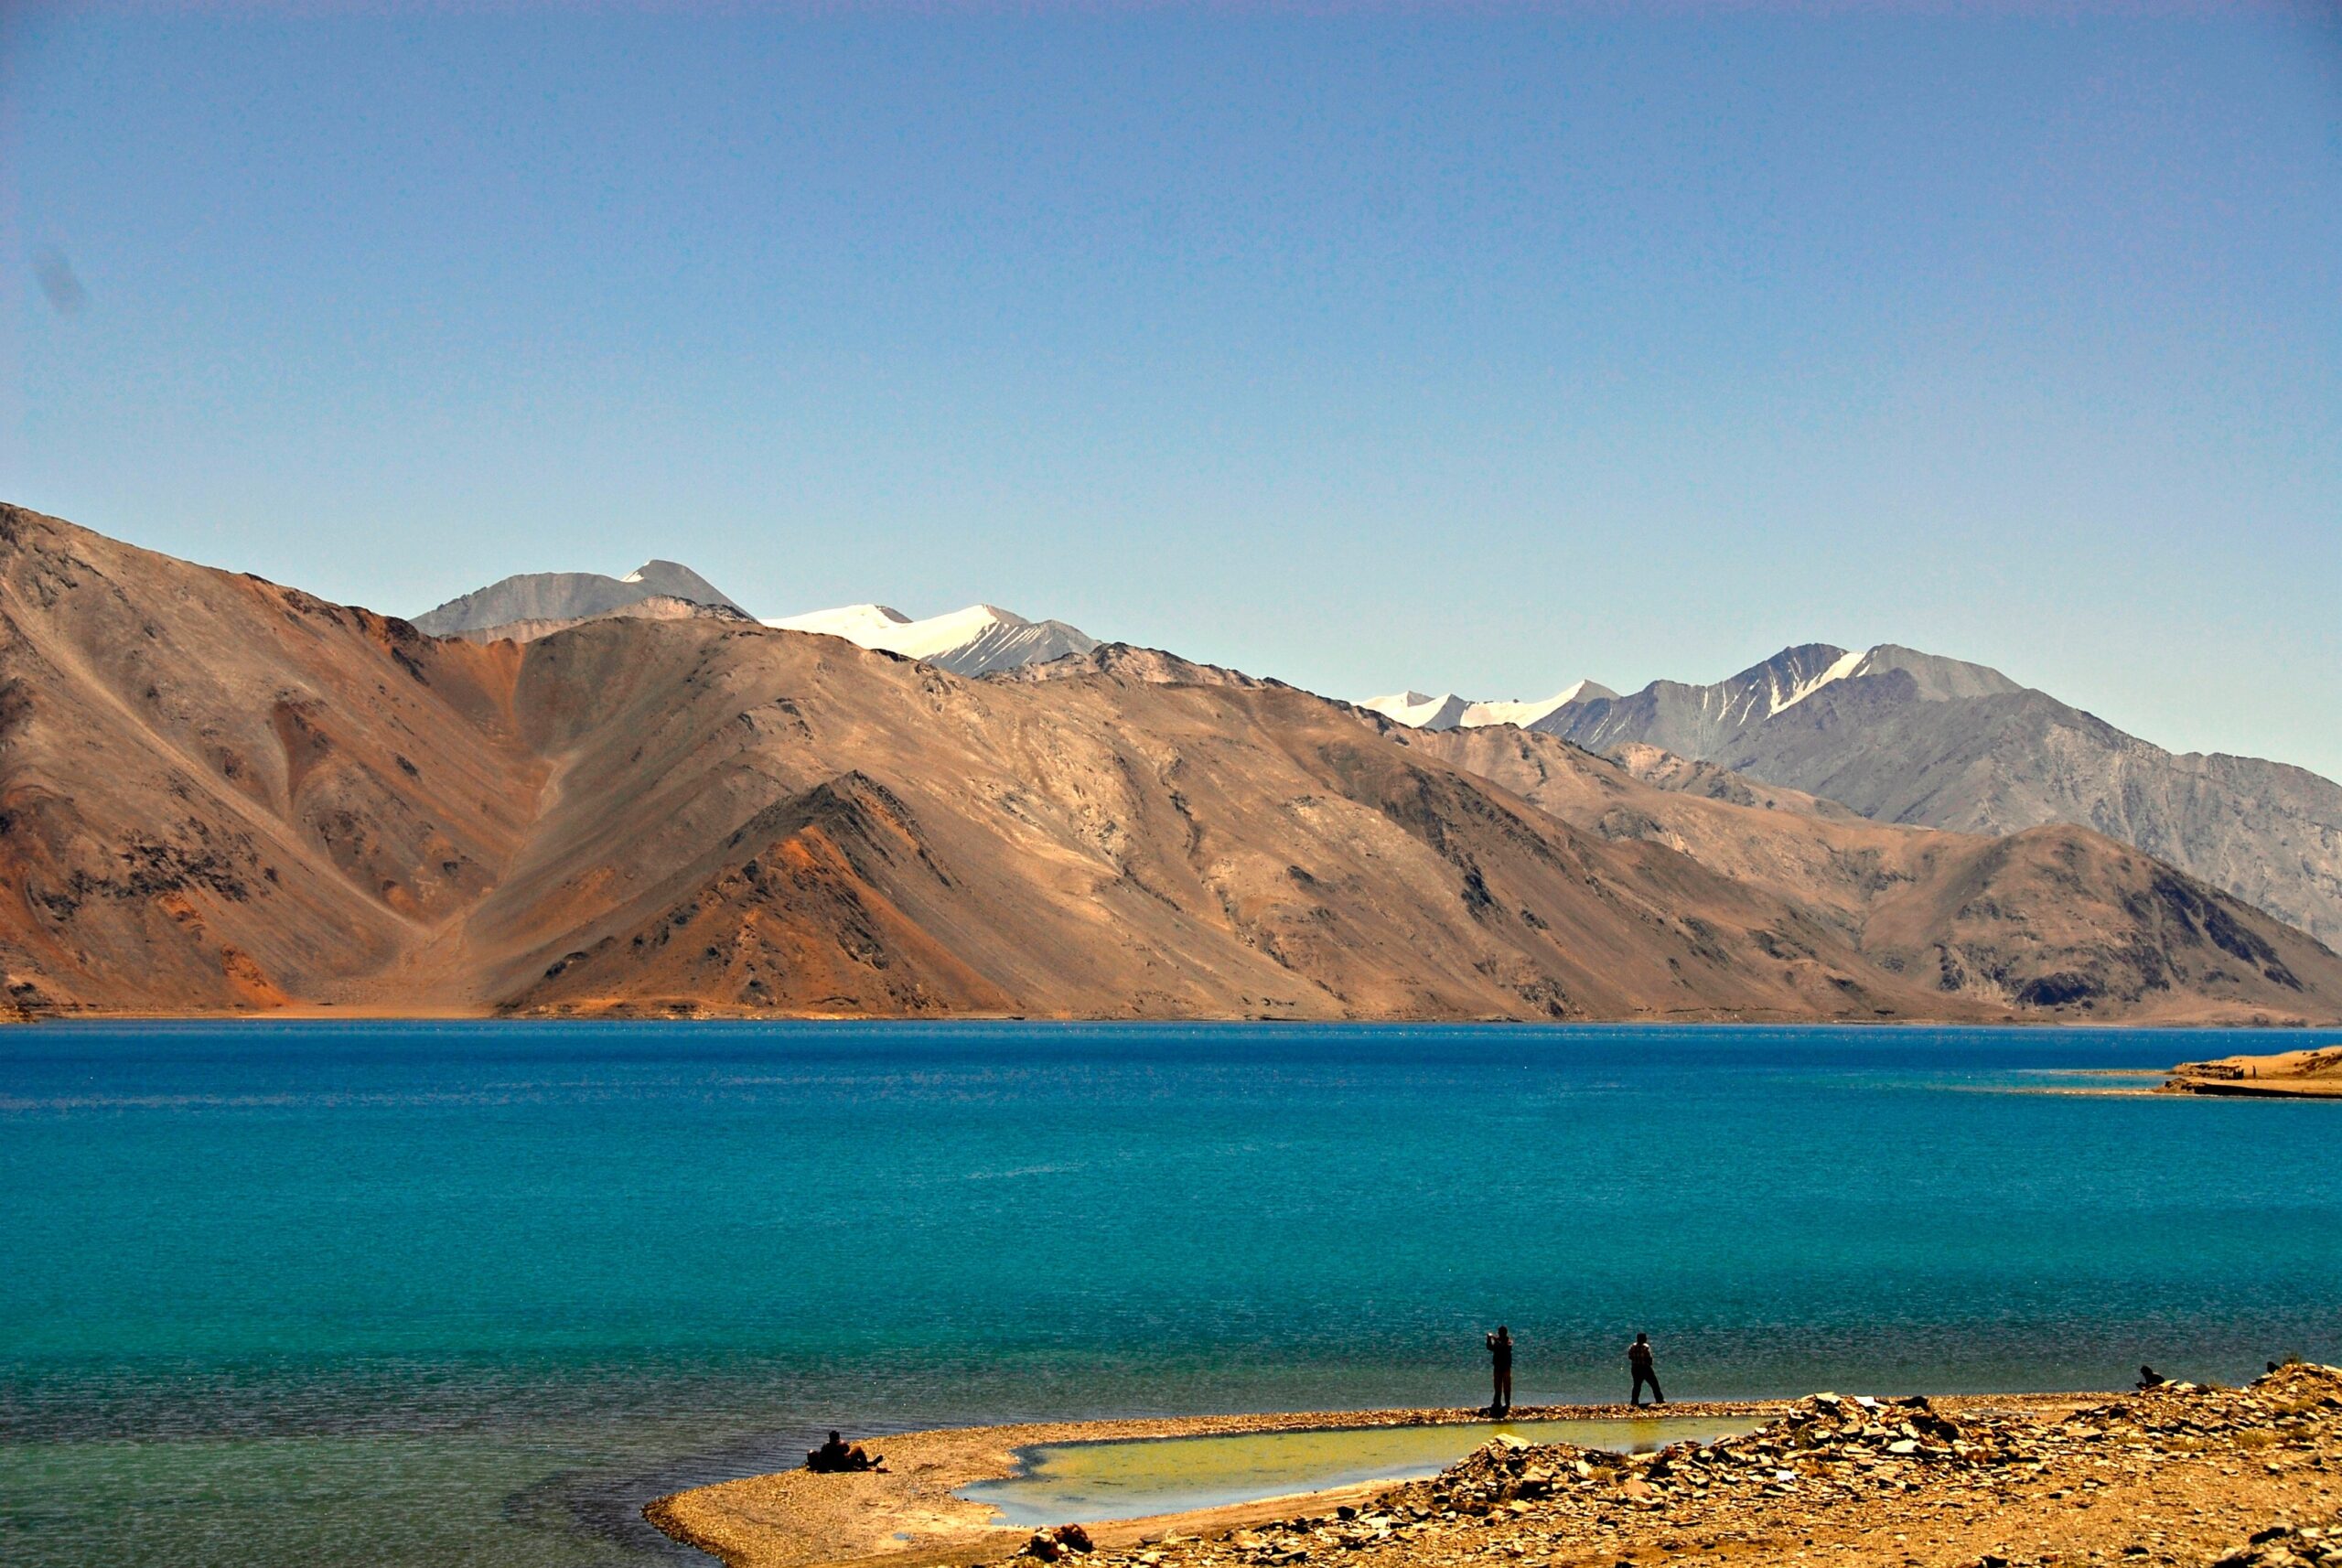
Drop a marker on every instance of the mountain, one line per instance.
(2050, 917)
(538, 597)
(1449, 710)
(1904, 737)
(978, 640)
(218, 794)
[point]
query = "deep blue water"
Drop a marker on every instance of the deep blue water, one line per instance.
(469, 1294)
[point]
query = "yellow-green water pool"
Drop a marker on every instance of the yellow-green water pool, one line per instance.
(1131, 1479)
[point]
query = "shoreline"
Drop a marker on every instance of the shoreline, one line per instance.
(796, 1518)
(2312, 1074)
(2181, 1474)
(1690, 1018)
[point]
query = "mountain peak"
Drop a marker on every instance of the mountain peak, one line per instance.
(976, 640)
(568, 596)
(676, 580)
(1416, 711)
(1449, 711)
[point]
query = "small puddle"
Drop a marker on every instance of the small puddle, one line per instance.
(1133, 1477)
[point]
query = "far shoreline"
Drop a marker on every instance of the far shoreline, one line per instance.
(327, 1012)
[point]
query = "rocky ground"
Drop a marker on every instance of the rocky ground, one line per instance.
(2313, 1074)
(2178, 1474)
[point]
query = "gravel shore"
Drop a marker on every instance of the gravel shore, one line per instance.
(2178, 1474)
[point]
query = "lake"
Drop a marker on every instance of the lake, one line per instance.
(469, 1294)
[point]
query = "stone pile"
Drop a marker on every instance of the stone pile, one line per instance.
(2067, 1482)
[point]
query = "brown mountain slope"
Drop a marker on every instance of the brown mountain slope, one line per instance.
(2055, 919)
(1089, 845)
(216, 792)
(220, 794)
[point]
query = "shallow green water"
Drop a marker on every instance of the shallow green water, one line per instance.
(1093, 1481)
(461, 1295)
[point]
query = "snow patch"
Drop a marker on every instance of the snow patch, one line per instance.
(1418, 712)
(1846, 667)
(970, 641)
(1449, 711)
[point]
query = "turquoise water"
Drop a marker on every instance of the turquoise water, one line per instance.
(469, 1294)
(1138, 1478)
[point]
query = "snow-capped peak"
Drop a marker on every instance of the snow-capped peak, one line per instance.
(1449, 711)
(855, 623)
(1525, 713)
(971, 641)
(1418, 712)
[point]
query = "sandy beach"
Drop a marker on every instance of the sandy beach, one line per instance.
(2173, 1476)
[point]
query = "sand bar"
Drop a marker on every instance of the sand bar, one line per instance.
(2284, 1075)
(908, 1514)
(2182, 1475)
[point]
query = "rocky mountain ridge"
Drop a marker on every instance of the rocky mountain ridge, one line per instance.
(218, 794)
(1902, 737)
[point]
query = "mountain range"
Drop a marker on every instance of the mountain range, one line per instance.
(1892, 734)
(220, 794)
(978, 640)
(1902, 736)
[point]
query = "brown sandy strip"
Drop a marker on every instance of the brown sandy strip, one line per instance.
(2179, 1475)
(908, 1515)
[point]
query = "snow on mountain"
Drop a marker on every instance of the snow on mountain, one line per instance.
(976, 640)
(856, 623)
(1419, 712)
(1526, 715)
(1449, 711)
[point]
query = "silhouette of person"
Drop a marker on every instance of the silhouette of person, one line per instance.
(1638, 1359)
(834, 1457)
(1500, 1368)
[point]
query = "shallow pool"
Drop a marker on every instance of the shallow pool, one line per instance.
(1131, 1479)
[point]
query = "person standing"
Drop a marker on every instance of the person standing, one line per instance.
(1501, 1368)
(1638, 1359)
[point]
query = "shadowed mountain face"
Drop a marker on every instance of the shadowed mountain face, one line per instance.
(569, 597)
(1908, 737)
(217, 793)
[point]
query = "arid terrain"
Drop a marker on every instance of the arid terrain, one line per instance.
(2286, 1075)
(2180, 1475)
(220, 794)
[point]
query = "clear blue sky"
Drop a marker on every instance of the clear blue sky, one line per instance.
(1370, 348)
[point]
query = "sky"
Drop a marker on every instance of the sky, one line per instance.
(1453, 347)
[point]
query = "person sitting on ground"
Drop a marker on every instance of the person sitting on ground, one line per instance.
(1639, 1360)
(834, 1457)
(2149, 1378)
